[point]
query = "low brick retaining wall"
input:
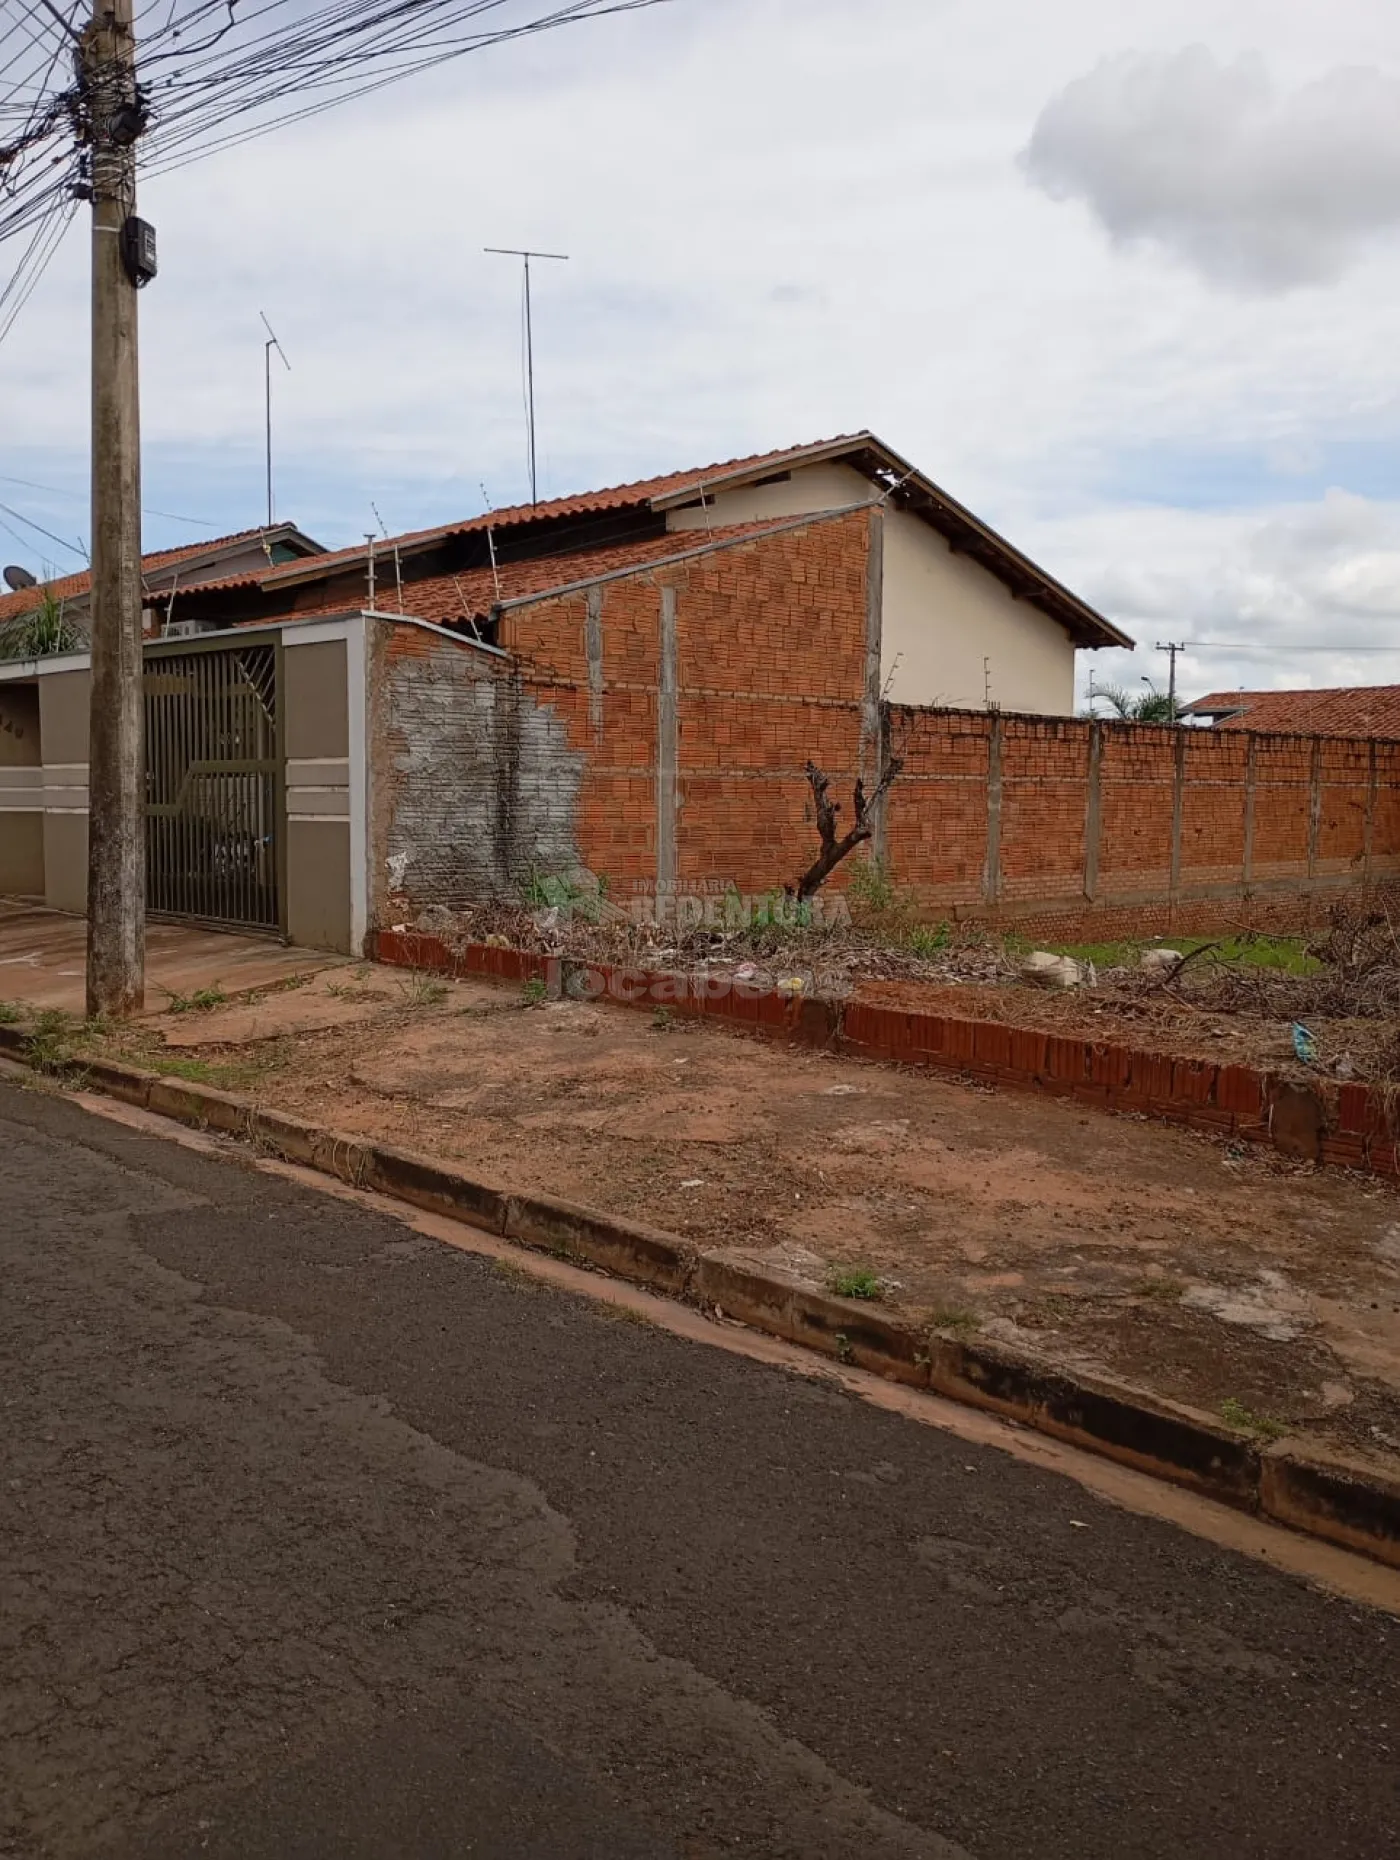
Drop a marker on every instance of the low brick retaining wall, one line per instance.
(1347, 1126)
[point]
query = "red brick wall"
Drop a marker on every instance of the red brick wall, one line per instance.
(553, 759)
(770, 666)
(1178, 830)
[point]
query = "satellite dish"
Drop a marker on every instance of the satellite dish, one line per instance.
(18, 578)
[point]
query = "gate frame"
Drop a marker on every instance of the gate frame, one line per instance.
(154, 650)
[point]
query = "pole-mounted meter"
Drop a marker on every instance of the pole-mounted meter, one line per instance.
(139, 250)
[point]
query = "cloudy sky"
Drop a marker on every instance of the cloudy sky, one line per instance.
(1121, 274)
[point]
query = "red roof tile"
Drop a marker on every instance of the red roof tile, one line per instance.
(69, 587)
(638, 495)
(444, 599)
(1339, 710)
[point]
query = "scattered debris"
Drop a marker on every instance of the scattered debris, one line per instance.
(1043, 969)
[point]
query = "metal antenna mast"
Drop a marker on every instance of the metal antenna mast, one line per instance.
(271, 344)
(510, 251)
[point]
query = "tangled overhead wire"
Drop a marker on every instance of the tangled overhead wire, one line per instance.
(212, 74)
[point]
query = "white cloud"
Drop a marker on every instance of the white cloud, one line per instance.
(1295, 596)
(1206, 160)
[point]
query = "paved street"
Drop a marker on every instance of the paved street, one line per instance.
(320, 1538)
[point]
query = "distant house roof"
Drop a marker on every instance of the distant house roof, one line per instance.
(891, 477)
(1339, 710)
(190, 565)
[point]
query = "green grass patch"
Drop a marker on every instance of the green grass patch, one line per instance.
(9, 1013)
(1234, 1414)
(856, 1282)
(202, 1001)
(954, 1318)
(535, 993)
(1288, 954)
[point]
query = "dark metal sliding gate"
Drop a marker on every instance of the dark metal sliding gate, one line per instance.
(214, 784)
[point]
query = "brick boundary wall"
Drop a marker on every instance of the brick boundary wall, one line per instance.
(1346, 1126)
(1067, 828)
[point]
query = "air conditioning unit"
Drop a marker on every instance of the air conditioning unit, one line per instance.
(182, 629)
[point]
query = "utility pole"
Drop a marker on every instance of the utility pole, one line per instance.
(116, 963)
(1171, 648)
(507, 251)
(271, 344)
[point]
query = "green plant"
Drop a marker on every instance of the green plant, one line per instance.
(202, 1001)
(870, 885)
(9, 1012)
(422, 990)
(1168, 1289)
(661, 1020)
(1150, 706)
(926, 940)
(855, 1282)
(1234, 1414)
(556, 891)
(844, 1352)
(535, 993)
(953, 1317)
(50, 1046)
(42, 632)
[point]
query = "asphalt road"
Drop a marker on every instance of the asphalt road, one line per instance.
(320, 1538)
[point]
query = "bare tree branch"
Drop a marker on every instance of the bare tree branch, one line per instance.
(834, 850)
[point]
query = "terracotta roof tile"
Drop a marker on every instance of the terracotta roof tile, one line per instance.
(639, 494)
(1339, 710)
(445, 599)
(68, 587)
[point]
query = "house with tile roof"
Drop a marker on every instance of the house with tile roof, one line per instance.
(165, 572)
(967, 620)
(1339, 710)
(622, 686)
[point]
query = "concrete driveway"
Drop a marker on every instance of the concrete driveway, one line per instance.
(42, 955)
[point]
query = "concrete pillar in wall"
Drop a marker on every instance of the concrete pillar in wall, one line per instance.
(317, 736)
(63, 736)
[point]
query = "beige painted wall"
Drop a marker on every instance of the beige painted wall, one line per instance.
(814, 487)
(316, 734)
(19, 727)
(318, 884)
(943, 614)
(21, 854)
(65, 862)
(63, 717)
(315, 705)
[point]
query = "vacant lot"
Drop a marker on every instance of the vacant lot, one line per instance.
(1220, 1277)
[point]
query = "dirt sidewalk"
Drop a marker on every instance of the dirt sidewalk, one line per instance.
(1246, 1286)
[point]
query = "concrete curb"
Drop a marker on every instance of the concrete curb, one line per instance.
(1346, 1127)
(1342, 1503)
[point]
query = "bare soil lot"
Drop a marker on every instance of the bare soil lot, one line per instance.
(1216, 1276)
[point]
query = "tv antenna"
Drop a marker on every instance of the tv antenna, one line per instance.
(511, 251)
(271, 344)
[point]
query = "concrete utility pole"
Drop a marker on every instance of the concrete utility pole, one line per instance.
(1171, 648)
(116, 963)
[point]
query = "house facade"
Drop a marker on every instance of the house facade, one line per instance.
(620, 688)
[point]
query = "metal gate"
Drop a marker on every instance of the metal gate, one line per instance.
(214, 784)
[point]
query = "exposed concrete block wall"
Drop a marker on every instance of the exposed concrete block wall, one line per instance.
(1109, 829)
(474, 781)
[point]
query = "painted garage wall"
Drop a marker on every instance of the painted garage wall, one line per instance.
(21, 793)
(316, 737)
